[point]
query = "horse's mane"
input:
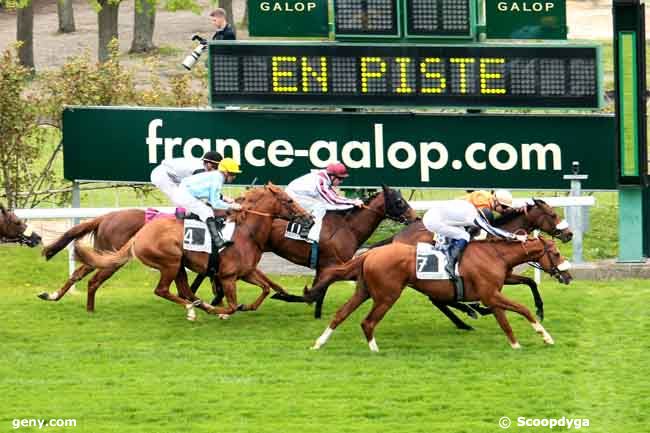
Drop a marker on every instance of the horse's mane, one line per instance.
(507, 217)
(250, 199)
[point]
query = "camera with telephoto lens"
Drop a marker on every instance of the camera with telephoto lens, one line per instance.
(196, 52)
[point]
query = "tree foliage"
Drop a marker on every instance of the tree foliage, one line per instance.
(28, 174)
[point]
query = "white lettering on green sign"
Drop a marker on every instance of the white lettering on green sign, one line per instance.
(287, 6)
(429, 154)
(525, 6)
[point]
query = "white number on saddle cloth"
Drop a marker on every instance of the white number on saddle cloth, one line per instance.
(430, 263)
(293, 232)
(196, 236)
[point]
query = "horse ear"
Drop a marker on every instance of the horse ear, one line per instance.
(385, 187)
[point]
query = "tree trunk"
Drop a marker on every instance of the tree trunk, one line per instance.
(66, 16)
(107, 23)
(25, 33)
(144, 22)
(227, 6)
(244, 20)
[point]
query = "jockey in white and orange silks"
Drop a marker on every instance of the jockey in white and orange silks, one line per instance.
(315, 192)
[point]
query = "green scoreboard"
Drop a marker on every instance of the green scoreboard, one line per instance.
(407, 53)
(344, 74)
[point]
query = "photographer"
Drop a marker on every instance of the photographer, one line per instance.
(225, 32)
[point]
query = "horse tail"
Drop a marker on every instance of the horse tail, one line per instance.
(98, 259)
(381, 243)
(349, 271)
(76, 232)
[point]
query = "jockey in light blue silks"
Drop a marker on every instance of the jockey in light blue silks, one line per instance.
(451, 218)
(169, 174)
(315, 193)
(207, 186)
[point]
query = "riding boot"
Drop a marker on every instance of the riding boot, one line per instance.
(215, 233)
(453, 253)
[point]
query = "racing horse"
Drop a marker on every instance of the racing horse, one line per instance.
(159, 245)
(537, 215)
(110, 232)
(15, 230)
(385, 271)
(341, 236)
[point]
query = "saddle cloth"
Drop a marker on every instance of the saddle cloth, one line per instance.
(430, 261)
(293, 232)
(196, 236)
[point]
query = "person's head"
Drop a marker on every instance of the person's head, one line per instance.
(230, 169)
(211, 160)
(218, 18)
(337, 172)
(501, 200)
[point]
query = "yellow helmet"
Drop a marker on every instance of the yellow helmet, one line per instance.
(229, 165)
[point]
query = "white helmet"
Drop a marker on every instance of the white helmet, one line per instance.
(503, 197)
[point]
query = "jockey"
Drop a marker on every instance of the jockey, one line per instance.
(168, 175)
(315, 192)
(450, 218)
(487, 203)
(207, 186)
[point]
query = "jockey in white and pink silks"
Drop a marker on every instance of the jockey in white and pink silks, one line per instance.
(315, 193)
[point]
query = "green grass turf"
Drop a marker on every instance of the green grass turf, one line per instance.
(137, 365)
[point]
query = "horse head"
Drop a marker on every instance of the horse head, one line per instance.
(396, 207)
(552, 262)
(542, 216)
(287, 208)
(13, 229)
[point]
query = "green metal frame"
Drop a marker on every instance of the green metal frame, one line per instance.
(629, 151)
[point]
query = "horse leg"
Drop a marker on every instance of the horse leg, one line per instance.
(217, 291)
(76, 276)
(230, 291)
(197, 282)
(94, 283)
(451, 316)
(358, 298)
(256, 279)
(514, 279)
(379, 309)
(167, 275)
(500, 315)
(499, 300)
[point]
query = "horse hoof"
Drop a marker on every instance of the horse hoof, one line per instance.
(540, 315)
(242, 307)
(515, 345)
(549, 340)
(314, 347)
(224, 316)
(44, 296)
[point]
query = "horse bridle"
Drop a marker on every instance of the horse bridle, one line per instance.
(554, 271)
(399, 219)
(557, 228)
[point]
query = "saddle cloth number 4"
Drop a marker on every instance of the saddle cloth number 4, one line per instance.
(196, 237)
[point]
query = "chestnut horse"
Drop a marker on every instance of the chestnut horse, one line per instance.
(342, 234)
(15, 230)
(537, 215)
(110, 232)
(159, 245)
(385, 271)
